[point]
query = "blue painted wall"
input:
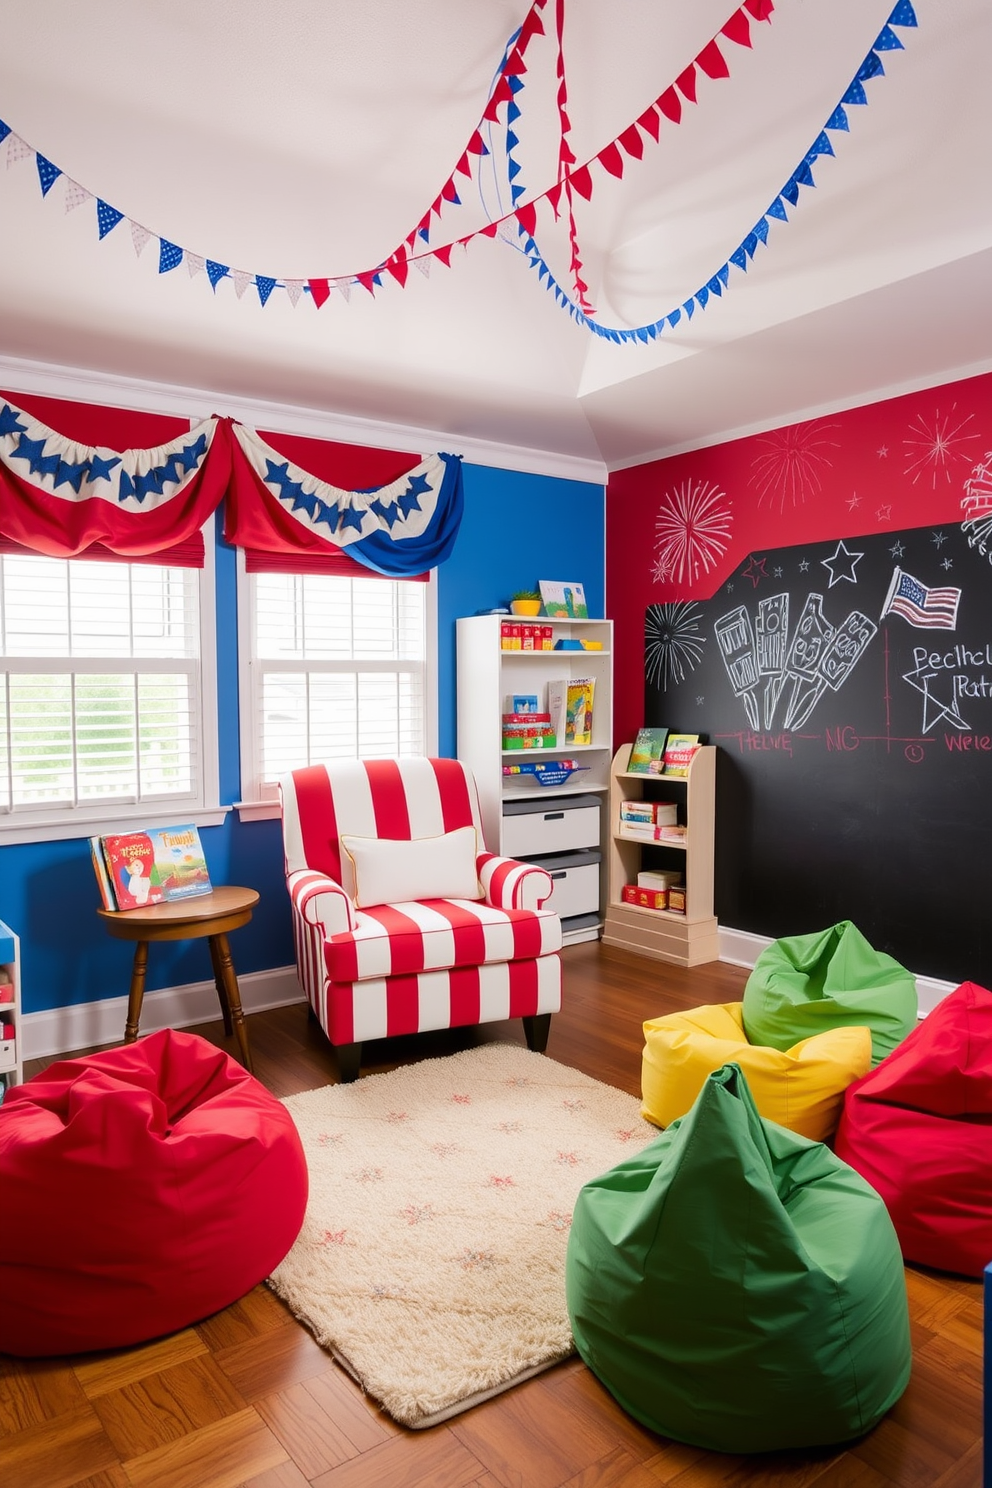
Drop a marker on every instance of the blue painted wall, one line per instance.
(516, 529)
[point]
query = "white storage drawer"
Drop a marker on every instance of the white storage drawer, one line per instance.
(576, 883)
(557, 825)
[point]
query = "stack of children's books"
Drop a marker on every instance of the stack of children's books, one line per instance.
(136, 869)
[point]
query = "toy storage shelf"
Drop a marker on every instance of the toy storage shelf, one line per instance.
(688, 939)
(11, 1042)
(486, 676)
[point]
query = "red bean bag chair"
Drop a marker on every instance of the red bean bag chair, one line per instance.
(919, 1128)
(141, 1190)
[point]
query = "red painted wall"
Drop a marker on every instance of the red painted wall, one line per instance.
(676, 528)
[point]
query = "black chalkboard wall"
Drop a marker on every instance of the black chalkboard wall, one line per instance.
(849, 687)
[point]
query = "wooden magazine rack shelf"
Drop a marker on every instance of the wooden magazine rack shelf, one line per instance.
(686, 939)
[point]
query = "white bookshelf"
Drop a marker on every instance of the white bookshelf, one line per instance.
(487, 674)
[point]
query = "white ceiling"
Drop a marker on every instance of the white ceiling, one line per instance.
(306, 139)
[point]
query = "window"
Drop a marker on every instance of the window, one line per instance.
(332, 667)
(107, 707)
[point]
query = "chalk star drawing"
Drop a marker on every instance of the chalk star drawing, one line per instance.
(883, 450)
(730, 588)
(947, 564)
(788, 469)
(884, 514)
(700, 701)
(939, 539)
(844, 562)
(804, 565)
(931, 446)
(897, 550)
(673, 644)
(693, 529)
(933, 709)
(660, 572)
(755, 570)
(853, 501)
(777, 572)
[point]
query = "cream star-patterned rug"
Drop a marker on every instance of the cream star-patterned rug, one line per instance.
(431, 1262)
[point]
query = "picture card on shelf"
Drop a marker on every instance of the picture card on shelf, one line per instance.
(647, 753)
(563, 600)
(679, 751)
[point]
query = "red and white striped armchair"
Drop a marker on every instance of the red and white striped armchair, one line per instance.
(403, 922)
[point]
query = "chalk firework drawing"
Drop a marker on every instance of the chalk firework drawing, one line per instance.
(693, 530)
(790, 465)
(673, 643)
(932, 446)
(977, 507)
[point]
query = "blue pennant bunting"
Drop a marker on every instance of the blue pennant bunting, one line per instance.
(48, 173)
(4, 131)
(170, 255)
(216, 272)
(107, 217)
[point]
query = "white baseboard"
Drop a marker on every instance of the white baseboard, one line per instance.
(62, 1030)
(741, 948)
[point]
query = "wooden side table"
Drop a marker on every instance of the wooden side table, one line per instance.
(212, 915)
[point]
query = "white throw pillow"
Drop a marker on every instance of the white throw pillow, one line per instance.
(388, 871)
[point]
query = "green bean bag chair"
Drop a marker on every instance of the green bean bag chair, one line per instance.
(805, 984)
(737, 1286)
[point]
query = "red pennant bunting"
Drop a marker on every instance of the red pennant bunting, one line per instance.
(760, 9)
(527, 217)
(444, 254)
(686, 82)
(320, 289)
(489, 231)
(368, 280)
(712, 61)
(465, 169)
(398, 267)
(501, 94)
(632, 142)
(611, 159)
(435, 207)
(671, 104)
(449, 191)
(476, 145)
(553, 196)
(532, 26)
(738, 28)
(650, 121)
(582, 181)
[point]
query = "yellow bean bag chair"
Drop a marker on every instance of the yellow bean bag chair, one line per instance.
(801, 1088)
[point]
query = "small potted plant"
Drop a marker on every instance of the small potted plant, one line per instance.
(525, 602)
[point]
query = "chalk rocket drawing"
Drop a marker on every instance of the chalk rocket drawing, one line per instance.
(735, 638)
(771, 635)
(819, 657)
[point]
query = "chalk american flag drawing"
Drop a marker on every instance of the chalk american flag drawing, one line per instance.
(926, 608)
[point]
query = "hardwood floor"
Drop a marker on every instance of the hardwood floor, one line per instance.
(248, 1398)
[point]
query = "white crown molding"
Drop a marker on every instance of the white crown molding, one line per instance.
(86, 1024)
(820, 410)
(742, 948)
(52, 381)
